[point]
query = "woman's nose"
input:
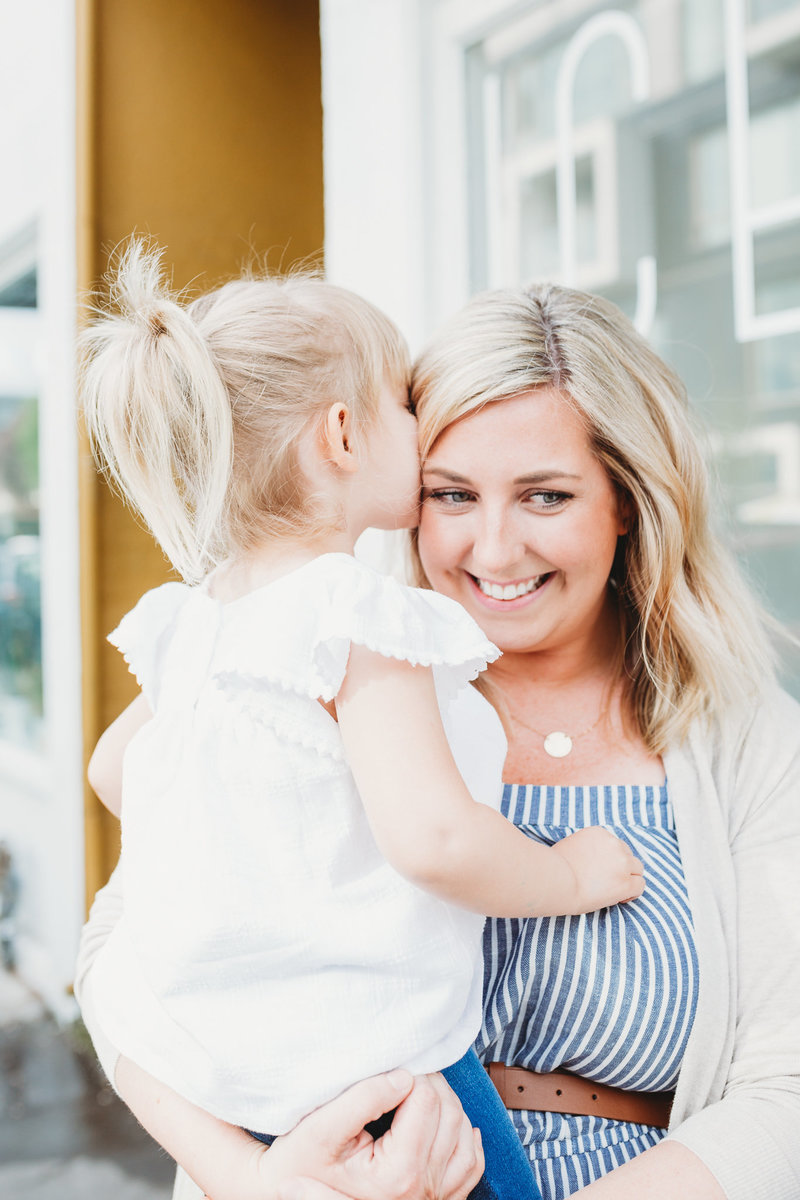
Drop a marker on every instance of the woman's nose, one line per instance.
(498, 546)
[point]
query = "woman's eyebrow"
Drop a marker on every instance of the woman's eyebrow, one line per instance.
(535, 477)
(546, 476)
(453, 476)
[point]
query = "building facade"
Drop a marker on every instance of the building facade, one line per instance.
(646, 150)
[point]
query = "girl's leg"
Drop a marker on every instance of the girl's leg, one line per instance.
(508, 1174)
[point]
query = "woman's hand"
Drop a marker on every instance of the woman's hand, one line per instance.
(430, 1153)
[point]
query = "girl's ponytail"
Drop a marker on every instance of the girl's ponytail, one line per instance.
(159, 414)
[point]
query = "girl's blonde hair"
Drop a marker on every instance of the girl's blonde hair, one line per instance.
(694, 638)
(198, 412)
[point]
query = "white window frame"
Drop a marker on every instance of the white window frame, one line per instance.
(743, 42)
(42, 794)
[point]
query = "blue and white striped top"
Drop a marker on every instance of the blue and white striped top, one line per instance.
(610, 995)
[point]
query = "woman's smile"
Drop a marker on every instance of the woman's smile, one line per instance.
(520, 522)
(502, 595)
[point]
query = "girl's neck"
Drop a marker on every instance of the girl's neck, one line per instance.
(269, 561)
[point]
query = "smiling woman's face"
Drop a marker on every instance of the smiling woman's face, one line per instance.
(520, 522)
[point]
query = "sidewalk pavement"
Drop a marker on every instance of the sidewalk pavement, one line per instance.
(64, 1135)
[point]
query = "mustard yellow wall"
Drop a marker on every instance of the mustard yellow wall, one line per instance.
(199, 123)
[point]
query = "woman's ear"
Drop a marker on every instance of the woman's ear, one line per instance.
(625, 512)
(337, 438)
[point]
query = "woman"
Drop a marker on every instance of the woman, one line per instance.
(560, 469)
(564, 504)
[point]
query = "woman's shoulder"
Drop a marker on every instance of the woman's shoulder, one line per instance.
(748, 758)
(768, 722)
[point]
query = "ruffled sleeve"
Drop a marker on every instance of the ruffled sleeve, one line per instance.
(142, 633)
(309, 619)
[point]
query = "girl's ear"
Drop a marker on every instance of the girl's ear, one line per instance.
(337, 438)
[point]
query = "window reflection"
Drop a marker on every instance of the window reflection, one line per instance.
(653, 179)
(20, 603)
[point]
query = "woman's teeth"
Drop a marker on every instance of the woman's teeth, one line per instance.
(508, 591)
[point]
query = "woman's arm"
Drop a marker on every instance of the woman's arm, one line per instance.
(746, 1144)
(105, 912)
(432, 831)
(660, 1173)
(430, 1153)
(750, 1138)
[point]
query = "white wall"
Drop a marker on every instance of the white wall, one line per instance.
(393, 81)
(373, 103)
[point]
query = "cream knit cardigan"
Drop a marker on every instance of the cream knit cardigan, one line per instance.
(736, 798)
(735, 793)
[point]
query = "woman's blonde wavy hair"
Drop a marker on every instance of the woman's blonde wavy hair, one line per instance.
(198, 412)
(694, 639)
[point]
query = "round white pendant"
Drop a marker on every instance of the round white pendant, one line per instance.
(557, 745)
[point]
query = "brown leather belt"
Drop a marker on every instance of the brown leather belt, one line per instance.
(562, 1092)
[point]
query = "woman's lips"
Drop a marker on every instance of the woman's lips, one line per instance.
(504, 596)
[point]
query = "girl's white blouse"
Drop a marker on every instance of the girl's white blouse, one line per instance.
(268, 955)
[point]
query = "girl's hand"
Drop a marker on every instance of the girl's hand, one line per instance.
(430, 1153)
(605, 869)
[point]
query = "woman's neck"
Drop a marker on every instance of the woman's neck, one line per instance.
(574, 690)
(595, 655)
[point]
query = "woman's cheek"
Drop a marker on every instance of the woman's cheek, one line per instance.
(432, 543)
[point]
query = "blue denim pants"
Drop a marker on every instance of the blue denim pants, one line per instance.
(507, 1174)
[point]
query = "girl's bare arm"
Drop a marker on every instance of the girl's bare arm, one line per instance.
(431, 830)
(105, 765)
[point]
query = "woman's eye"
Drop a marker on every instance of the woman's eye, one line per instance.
(450, 497)
(548, 499)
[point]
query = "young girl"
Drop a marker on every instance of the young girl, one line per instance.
(303, 864)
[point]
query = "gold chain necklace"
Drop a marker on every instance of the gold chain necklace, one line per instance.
(559, 744)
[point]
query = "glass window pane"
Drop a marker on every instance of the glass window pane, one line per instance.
(759, 10)
(529, 98)
(703, 44)
(709, 199)
(774, 161)
(653, 180)
(539, 224)
(20, 606)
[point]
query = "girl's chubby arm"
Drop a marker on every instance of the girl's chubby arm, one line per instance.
(105, 766)
(430, 1153)
(431, 830)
